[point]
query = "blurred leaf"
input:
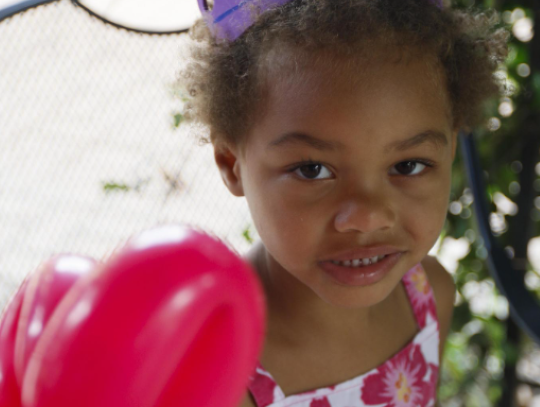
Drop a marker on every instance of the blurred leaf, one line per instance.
(247, 235)
(112, 186)
(178, 119)
(462, 315)
(511, 353)
(494, 392)
(495, 330)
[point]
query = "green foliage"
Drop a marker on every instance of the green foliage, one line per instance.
(477, 349)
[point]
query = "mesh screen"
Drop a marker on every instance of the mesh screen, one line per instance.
(90, 153)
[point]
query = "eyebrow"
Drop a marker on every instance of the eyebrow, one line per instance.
(295, 137)
(435, 137)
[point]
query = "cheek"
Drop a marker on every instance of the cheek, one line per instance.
(287, 225)
(279, 221)
(427, 214)
(278, 204)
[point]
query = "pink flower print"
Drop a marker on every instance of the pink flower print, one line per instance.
(320, 403)
(420, 295)
(434, 378)
(399, 382)
(263, 387)
(316, 390)
(431, 388)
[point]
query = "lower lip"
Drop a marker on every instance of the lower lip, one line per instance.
(363, 275)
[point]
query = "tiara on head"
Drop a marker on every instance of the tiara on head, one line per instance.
(228, 19)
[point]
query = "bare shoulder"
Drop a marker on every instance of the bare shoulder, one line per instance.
(444, 290)
(441, 281)
(247, 401)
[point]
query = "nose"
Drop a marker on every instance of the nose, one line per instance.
(365, 214)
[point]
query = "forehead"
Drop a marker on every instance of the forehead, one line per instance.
(391, 90)
(377, 66)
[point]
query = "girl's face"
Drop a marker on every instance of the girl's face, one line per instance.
(363, 184)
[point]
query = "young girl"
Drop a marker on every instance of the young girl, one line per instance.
(338, 121)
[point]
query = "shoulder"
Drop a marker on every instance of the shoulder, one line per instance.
(444, 291)
(442, 283)
(247, 401)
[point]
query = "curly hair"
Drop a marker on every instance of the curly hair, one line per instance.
(226, 82)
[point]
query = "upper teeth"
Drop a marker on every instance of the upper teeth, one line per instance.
(359, 262)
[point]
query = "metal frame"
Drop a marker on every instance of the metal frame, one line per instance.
(524, 308)
(10, 11)
(28, 4)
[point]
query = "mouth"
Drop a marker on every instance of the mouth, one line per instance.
(360, 262)
(361, 271)
(365, 254)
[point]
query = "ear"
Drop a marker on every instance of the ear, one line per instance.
(229, 167)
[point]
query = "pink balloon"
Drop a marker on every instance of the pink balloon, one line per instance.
(174, 319)
(46, 287)
(9, 388)
(26, 315)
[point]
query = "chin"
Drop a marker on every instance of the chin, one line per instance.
(356, 297)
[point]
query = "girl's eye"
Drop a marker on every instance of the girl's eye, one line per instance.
(412, 168)
(311, 170)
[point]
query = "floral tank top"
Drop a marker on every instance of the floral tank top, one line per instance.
(407, 379)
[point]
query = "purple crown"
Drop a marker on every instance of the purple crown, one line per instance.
(230, 18)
